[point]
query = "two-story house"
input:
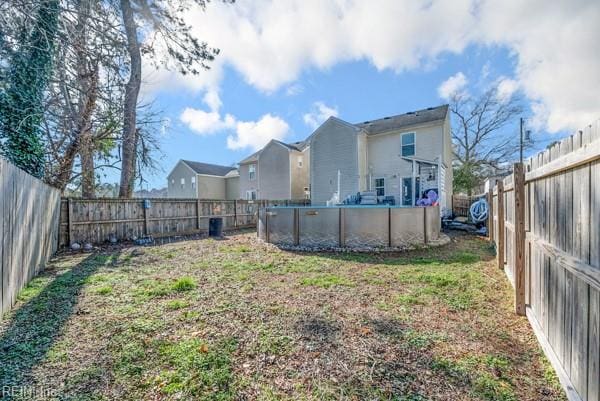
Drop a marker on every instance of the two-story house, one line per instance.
(277, 171)
(402, 156)
(190, 179)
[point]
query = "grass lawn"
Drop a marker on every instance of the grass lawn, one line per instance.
(241, 320)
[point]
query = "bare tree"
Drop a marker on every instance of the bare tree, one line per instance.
(171, 43)
(90, 108)
(482, 145)
(85, 93)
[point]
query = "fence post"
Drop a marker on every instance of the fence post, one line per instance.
(342, 227)
(296, 226)
(235, 223)
(70, 221)
(389, 227)
(198, 208)
(267, 236)
(519, 249)
(425, 239)
(490, 196)
(146, 218)
(500, 221)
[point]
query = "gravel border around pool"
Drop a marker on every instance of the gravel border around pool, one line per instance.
(442, 240)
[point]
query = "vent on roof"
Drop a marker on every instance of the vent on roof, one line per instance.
(386, 118)
(430, 108)
(367, 122)
(411, 112)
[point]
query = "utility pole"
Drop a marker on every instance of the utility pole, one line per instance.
(521, 141)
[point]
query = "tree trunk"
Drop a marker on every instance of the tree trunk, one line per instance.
(128, 149)
(65, 168)
(88, 81)
(88, 174)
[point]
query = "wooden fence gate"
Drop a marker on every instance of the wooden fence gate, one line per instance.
(545, 223)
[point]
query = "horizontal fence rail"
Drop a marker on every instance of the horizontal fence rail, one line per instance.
(546, 228)
(98, 220)
(29, 212)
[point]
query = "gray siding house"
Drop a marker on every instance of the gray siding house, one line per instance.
(190, 179)
(401, 156)
(277, 171)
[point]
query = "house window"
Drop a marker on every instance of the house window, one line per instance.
(252, 172)
(182, 183)
(300, 162)
(251, 195)
(408, 144)
(172, 181)
(193, 182)
(380, 186)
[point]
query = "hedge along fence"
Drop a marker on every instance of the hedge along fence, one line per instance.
(96, 220)
(29, 211)
(546, 226)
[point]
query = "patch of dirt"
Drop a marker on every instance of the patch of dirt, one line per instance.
(317, 329)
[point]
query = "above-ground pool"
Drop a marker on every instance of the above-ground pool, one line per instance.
(349, 226)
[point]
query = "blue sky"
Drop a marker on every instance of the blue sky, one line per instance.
(273, 81)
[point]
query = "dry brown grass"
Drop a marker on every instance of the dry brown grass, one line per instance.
(240, 320)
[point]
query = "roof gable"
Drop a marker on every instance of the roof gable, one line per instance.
(297, 146)
(406, 120)
(333, 121)
(208, 169)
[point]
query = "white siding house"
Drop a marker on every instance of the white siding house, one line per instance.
(277, 171)
(400, 157)
(190, 179)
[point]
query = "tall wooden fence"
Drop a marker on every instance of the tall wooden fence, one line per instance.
(29, 211)
(546, 226)
(97, 220)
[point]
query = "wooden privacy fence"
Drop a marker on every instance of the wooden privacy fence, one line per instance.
(462, 203)
(96, 220)
(546, 226)
(29, 212)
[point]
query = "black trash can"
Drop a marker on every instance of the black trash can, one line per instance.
(215, 227)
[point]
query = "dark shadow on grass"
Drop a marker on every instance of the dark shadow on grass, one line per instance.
(317, 329)
(122, 245)
(34, 326)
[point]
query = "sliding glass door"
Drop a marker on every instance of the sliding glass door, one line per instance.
(410, 197)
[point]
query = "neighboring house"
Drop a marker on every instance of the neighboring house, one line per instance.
(401, 157)
(190, 179)
(277, 171)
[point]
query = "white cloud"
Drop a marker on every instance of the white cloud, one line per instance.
(165, 132)
(318, 114)
(558, 68)
(247, 134)
(206, 122)
(270, 43)
(256, 134)
(294, 89)
(506, 88)
(212, 100)
(453, 86)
